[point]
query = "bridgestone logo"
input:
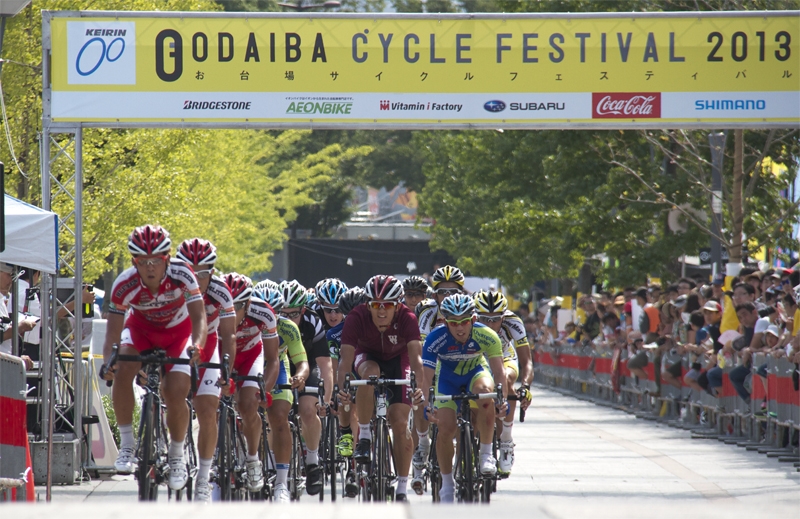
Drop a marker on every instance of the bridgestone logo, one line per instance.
(319, 108)
(216, 105)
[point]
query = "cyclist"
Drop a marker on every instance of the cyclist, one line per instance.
(291, 349)
(415, 290)
(492, 309)
(458, 354)
(201, 255)
(446, 281)
(349, 300)
(256, 354)
(312, 333)
(165, 310)
(382, 337)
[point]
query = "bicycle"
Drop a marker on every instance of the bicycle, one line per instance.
(297, 462)
(230, 456)
(152, 444)
(471, 485)
(376, 482)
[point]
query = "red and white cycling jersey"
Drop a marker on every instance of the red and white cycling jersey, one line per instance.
(164, 310)
(219, 303)
(259, 322)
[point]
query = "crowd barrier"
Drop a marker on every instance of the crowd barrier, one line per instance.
(16, 479)
(769, 424)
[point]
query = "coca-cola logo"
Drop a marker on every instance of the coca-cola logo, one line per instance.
(626, 105)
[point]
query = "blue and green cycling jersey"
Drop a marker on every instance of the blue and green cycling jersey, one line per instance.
(441, 346)
(334, 338)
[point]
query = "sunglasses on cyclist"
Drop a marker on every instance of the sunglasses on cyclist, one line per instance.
(490, 319)
(202, 274)
(458, 322)
(239, 306)
(150, 262)
(330, 310)
(292, 315)
(382, 305)
(447, 291)
(415, 294)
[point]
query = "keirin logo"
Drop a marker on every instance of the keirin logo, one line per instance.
(101, 53)
(626, 105)
(384, 105)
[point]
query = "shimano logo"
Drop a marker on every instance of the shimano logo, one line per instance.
(494, 106)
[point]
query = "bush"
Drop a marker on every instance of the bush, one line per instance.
(108, 407)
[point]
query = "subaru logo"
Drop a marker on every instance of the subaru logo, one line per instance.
(494, 106)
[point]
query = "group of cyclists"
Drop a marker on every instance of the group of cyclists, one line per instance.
(282, 335)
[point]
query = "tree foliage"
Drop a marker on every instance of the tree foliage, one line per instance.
(239, 189)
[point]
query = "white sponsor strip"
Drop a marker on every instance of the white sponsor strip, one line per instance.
(730, 105)
(482, 108)
(122, 106)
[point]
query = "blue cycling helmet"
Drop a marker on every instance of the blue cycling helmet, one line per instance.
(457, 305)
(330, 291)
(271, 295)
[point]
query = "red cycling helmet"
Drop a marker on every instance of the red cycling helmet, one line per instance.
(197, 251)
(149, 239)
(384, 288)
(240, 285)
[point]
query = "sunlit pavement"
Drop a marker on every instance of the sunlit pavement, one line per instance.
(573, 459)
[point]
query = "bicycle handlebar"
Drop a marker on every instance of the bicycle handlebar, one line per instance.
(466, 396)
(382, 382)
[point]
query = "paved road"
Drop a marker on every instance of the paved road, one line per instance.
(573, 459)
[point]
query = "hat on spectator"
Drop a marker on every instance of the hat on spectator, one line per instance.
(755, 275)
(642, 292)
(712, 306)
(719, 279)
(620, 300)
(7, 268)
(773, 330)
(628, 308)
(776, 275)
(680, 301)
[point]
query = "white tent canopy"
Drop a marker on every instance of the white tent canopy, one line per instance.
(31, 236)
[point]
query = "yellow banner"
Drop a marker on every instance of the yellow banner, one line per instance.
(720, 53)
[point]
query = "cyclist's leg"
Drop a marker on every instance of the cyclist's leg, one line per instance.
(482, 382)
(124, 402)
(447, 383)
(365, 403)
(504, 426)
(206, 403)
(281, 439)
(312, 431)
(174, 388)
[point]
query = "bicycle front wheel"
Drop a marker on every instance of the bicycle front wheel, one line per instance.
(224, 461)
(381, 460)
(467, 491)
(147, 472)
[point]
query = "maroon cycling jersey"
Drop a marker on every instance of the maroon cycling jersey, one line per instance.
(361, 332)
(259, 322)
(219, 303)
(164, 310)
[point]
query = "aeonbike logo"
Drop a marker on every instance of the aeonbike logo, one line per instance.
(101, 53)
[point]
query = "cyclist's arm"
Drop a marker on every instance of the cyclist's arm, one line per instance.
(322, 356)
(227, 338)
(498, 373)
(116, 323)
(525, 364)
(346, 356)
(197, 313)
(271, 362)
(415, 358)
(427, 379)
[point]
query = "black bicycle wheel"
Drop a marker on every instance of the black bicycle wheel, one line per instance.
(332, 453)
(467, 490)
(295, 465)
(381, 461)
(223, 461)
(434, 474)
(146, 470)
(240, 484)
